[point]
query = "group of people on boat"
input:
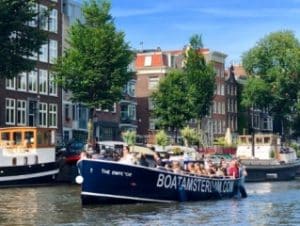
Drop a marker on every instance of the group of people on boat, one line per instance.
(205, 167)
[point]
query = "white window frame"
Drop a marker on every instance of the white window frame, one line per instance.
(153, 83)
(44, 22)
(34, 22)
(21, 112)
(33, 81)
(43, 56)
(10, 111)
(43, 81)
(53, 50)
(53, 20)
(22, 82)
(10, 83)
(148, 61)
(53, 115)
(52, 85)
(43, 114)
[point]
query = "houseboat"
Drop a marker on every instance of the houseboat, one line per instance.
(27, 156)
(266, 158)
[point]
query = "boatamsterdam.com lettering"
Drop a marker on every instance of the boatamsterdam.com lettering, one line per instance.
(194, 184)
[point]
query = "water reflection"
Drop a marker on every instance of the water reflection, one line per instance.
(267, 204)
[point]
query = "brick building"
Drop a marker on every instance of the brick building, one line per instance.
(33, 99)
(152, 65)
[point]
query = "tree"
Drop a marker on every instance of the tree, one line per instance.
(275, 63)
(95, 66)
(171, 101)
(189, 135)
(201, 80)
(18, 40)
(162, 139)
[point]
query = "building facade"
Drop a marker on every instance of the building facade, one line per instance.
(107, 123)
(152, 65)
(33, 98)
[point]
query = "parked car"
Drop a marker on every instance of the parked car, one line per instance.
(73, 151)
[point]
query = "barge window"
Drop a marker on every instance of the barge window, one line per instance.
(14, 161)
(5, 136)
(29, 137)
(267, 140)
(17, 136)
(25, 160)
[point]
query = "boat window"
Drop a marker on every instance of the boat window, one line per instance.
(17, 136)
(5, 136)
(29, 137)
(43, 138)
(25, 160)
(250, 140)
(267, 140)
(14, 161)
(243, 140)
(259, 140)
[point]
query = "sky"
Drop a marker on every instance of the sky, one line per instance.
(228, 26)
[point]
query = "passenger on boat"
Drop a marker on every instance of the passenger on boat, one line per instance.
(168, 167)
(127, 157)
(199, 168)
(233, 170)
(142, 160)
(176, 167)
(191, 168)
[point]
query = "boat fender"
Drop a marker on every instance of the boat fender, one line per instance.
(79, 179)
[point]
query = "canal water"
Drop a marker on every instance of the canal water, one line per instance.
(275, 203)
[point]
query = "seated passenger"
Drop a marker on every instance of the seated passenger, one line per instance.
(199, 168)
(176, 167)
(142, 160)
(191, 168)
(127, 157)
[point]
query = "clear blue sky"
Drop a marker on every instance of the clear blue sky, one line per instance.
(229, 26)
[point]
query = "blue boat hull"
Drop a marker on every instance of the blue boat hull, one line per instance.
(109, 182)
(28, 175)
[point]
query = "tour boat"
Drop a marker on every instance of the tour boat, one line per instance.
(111, 182)
(266, 159)
(27, 156)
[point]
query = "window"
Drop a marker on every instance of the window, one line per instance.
(33, 23)
(10, 83)
(52, 50)
(22, 82)
(43, 81)
(152, 124)
(52, 85)
(153, 83)
(148, 61)
(150, 104)
(32, 81)
(53, 21)
(21, 112)
(43, 18)
(44, 53)
(132, 111)
(43, 114)
(131, 88)
(10, 111)
(53, 115)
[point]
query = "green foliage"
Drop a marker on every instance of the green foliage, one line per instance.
(95, 67)
(17, 39)
(189, 135)
(200, 78)
(162, 138)
(171, 102)
(257, 92)
(275, 61)
(129, 137)
(187, 93)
